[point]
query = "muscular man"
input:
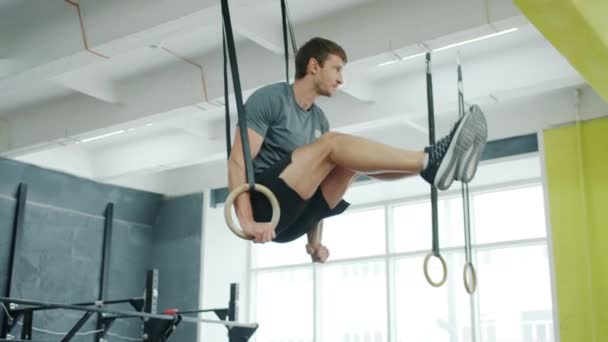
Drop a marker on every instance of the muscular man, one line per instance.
(309, 168)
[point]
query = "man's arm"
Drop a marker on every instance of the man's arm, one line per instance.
(317, 251)
(315, 235)
(236, 174)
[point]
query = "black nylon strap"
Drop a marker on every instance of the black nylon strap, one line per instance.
(294, 45)
(236, 82)
(460, 92)
(431, 114)
(285, 43)
(287, 28)
(230, 51)
(465, 186)
(226, 98)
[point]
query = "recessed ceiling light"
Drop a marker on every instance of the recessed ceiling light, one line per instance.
(102, 136)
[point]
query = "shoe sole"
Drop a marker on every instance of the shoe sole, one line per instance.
(467, 168)
(463, 140)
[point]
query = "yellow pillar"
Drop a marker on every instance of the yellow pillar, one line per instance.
(578, 29)
(576, 160)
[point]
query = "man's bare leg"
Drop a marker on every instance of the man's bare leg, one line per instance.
(311, 164)
(334, 186)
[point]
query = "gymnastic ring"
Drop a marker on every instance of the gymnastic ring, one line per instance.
(426, 270)
(473, 286)
(238, 231)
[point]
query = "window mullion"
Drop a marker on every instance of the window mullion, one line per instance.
(474, 298)
(390, 277)
(316, 298)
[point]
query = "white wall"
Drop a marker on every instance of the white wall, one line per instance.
(70, 159)
(225, 261)
(156, 182)
(177, 182)
(9, 64)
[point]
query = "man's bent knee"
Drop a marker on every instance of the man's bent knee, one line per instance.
(334, 186)
(311, 164)
(328, 138)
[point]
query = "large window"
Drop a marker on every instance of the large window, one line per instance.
(373, 288)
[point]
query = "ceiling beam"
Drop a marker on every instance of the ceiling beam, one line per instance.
(158, 93)
(260, 26)
(171, 151)
(101, 90)
(155, 92)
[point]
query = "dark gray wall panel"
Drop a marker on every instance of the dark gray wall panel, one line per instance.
(79, 194)
(129, 261)
(7, 213)
(177, 255)
(59, 259)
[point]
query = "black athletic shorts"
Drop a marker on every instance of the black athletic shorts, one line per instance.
(298, 216)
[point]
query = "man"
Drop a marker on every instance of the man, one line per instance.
(309, 168)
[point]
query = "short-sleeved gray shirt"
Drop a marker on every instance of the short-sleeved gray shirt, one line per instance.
(273, 113)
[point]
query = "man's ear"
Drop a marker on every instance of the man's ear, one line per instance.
(313, 65)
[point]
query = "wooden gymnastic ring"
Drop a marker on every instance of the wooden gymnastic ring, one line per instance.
(426, 270)
(473, 285)
(238, 231)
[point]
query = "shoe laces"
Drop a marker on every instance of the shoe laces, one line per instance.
(438, 149)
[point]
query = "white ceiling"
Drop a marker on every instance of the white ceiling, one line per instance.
(54, 94)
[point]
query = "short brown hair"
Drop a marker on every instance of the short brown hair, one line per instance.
(319, 49)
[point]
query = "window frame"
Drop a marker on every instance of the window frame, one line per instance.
(390, 256)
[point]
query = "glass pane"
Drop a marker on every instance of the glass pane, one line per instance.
(509, 215)
(427, 314)
(353, 302)
(413, 229)
(355, 234)
(451, 222)
(278, 254)
(525, 314)
(283, 305)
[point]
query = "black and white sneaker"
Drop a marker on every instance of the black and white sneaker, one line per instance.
(469, 162)
(447, 154)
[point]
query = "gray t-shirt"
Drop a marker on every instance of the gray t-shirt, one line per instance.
(273, 113)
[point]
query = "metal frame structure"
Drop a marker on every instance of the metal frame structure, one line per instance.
(156, 327)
